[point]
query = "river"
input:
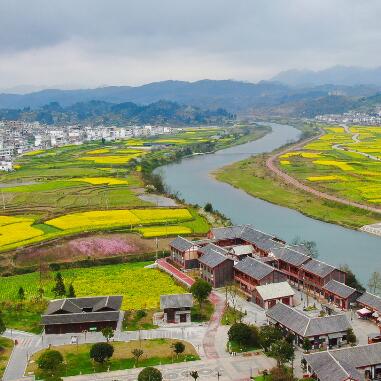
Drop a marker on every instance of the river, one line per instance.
(192, 181)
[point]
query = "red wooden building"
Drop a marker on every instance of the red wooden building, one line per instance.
(250, 273)
(340, 294)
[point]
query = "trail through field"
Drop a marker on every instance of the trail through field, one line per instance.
(271, 165)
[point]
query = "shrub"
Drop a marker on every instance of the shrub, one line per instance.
(50, 360)
(100, 352)
(150, 374)
(140, 314)
(244, 334)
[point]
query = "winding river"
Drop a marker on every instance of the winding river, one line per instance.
(192, 181)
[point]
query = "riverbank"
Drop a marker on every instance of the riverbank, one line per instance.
(252, 176)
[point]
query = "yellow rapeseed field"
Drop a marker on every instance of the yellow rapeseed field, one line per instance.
(101, 180)
(16, 229)
(326, 178)
(98, 151)
(339, 164)
(117, 218)
(111, 159)
(33, 153)
(308, 155)
(160, 231)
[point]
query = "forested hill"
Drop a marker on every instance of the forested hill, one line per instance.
(99, 112)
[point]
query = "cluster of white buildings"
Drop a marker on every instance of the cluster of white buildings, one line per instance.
(352, 118)
(17, 137)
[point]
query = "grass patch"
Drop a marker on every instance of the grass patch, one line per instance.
(6, 347)
(235, 347)
(231, 316)
(140, 319)
(156, 352)
(205, 314)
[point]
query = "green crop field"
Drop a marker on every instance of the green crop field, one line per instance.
(140, 286)
(344, 163)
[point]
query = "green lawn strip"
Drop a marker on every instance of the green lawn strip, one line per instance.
(6, 347)
(199, 225)
(42, 186)
(23, 315)
(140, 319)
(155, 352)
(204, 314)
(47, 229)
(250, 175)
(236, 347)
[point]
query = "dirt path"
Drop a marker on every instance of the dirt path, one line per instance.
(271, 165)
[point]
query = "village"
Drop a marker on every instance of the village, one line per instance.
(277, 284)
(18, 137)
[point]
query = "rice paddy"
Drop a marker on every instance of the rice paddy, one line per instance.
(342, 162)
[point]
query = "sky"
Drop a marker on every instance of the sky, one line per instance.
(92, 43)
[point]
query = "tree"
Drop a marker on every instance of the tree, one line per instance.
(374, 283)
(21, 293)
(310, 246)
(351, 337)
(178, 348)
(231, 296)
(268, 335)
(2, 325)
(307, 346)
(71, 291)
(59, 288)
(150, 374)
(137, 353)
(50, 361)
(194, 374)
(208, 207)
(100, 352)
(200, 290)
(244, 335)
(107, 333)
(282, 351)
(351, 279)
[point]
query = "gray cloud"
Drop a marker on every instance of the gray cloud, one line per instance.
(93, 42)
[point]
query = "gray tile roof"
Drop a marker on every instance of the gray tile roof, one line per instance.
(74, 305)
(327, 368)
(339, 289)
(291, 256)
(336, 365)
(370, 300)
(176, 301)
(212, 255)
(318, 268)
(254, 268)
(230, 232)
(181, 244)
(81, 317)
(307, 326)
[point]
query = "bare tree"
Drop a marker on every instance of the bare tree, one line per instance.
(231, 295)
(137, 353)
(374, 283)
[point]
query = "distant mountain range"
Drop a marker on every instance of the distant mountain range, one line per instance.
(337, 75)
(291, 93)
(100, 112)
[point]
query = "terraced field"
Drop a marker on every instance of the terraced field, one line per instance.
(74, 189)
(345, 162)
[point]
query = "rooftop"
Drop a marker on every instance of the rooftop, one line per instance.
(318, 268)
(339, 289)
(275, 290)
(176, 301)
(213, 255)
(254, 268)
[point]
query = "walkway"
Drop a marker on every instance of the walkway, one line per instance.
(271, 165)
(162, 264)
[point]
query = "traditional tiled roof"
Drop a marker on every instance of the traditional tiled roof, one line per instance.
(254, 268)
(230, 232)
(318, 268)
(241, 250)
(78, 310)
(370, 300)
(275, 290)
(212, 255)
(339, 289)
(176, 301)
(291, 256)
(306, 326)
(181, 244)
(81, 317)
(334, 364)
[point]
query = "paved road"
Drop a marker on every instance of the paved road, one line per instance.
(271, 165)
(176, 273)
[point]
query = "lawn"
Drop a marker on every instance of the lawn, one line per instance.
(6, 346)
(139, 319)
(155, 352)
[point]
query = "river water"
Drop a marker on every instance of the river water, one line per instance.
(192, 181)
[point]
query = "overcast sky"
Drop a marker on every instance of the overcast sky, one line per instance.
(90, 43)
